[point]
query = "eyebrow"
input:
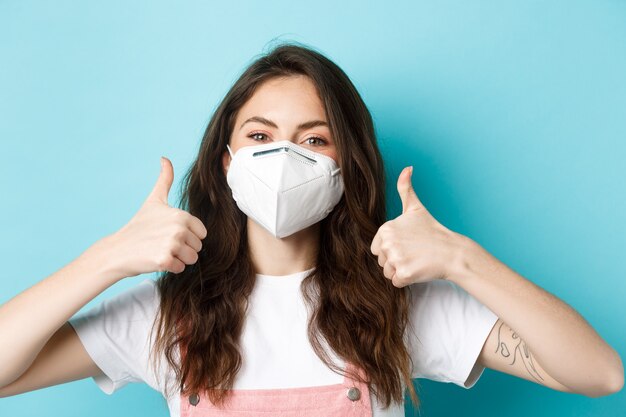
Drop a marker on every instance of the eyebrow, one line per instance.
(302, 126)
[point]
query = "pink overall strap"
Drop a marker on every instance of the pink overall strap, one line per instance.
(349, 398)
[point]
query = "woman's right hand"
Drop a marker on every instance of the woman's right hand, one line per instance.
(37, 346)
(158, 237)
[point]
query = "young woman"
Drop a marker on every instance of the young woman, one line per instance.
(283, 289)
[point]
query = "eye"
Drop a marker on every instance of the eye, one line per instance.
(254, 136)
(319, 141)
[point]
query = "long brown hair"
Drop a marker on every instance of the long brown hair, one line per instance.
(354, 309)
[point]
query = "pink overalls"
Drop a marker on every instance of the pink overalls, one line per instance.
(347, 399)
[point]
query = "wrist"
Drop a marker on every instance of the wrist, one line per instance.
(102, 260)
(462, 268)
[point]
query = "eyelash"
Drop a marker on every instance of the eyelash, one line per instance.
(261, 133)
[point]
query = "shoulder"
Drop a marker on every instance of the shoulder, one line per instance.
(125, 314)
(434, 298)
(438, 287)
(115, 334)
(439, 304)
(448, 327)
(135, 303)
(441, 296)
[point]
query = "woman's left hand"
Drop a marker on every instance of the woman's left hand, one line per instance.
(415, 247)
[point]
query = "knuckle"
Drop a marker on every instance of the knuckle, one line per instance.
(179, 233)
(401, 273)
(191, 258)
(175, 245)
(203, 230)
(180, 215)
(389, 271)
(171, 261)
(176, 265)
(165, 262)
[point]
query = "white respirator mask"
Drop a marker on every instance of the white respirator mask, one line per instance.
(284, 187)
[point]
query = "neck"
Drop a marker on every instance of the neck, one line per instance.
(273, 256)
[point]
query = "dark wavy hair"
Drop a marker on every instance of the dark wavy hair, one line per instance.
(356, 311)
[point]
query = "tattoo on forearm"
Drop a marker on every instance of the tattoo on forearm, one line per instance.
(510, 344)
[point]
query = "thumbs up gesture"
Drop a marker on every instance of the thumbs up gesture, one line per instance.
(414, 247)
(158, 237)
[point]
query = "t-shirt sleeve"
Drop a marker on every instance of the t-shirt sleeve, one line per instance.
(448, 328)
(115, 335)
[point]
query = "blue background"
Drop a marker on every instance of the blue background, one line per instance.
(512, 113)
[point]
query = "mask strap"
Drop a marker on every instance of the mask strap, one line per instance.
(229, 150)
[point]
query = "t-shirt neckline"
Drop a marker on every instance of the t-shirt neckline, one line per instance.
(283, 281)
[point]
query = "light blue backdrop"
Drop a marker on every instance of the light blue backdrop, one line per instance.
(513, 114)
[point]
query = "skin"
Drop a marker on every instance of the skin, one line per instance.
(533, 335)
(38, 348)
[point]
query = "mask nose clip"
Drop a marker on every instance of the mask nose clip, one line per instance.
(272, 182)
(286, 148)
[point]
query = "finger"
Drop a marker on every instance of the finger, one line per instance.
(382, 259)
(389, 270)
(406, 192)
(193, 241)
(395, 282)
(375, 246)
(164, 182)
(175, 266)
(187, 254)
(197, 227)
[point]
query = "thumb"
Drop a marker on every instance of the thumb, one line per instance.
(410, 202)
(164, 182)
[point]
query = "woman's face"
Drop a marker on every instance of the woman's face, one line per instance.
(285, 108)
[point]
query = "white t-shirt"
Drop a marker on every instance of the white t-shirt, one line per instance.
(449, 326)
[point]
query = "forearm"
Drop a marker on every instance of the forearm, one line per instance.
(30, 318)
(562, 341)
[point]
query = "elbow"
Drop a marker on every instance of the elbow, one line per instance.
(611, 386)
(617, 379)
(617, 387)
(613, 381)
(616, 382)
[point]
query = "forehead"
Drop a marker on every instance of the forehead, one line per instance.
(284, 99)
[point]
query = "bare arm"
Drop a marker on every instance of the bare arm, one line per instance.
(569, 350)
(62, 359)
(506, 352)
(31, 318)
(38, 348)
(415, 247)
